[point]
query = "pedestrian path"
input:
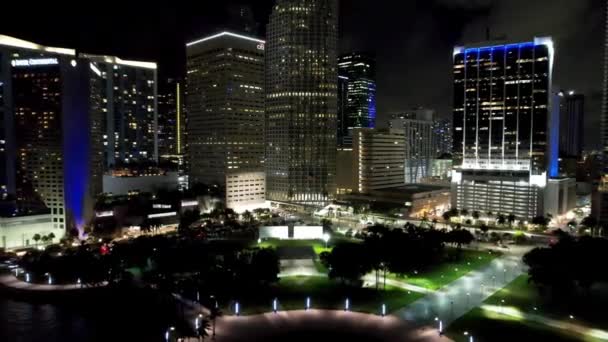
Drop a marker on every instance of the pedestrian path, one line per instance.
(459, 297)
(549, 322)
(9, 280)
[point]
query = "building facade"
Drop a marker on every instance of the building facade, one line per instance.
(131, 111)
(171, 121)
(357, 71)
(225, 104)
(420, 142)
(442, 133)
(378, 157)
(53, 120)
(301, 102)
(245, 190)
(572, 116)
(503, 155)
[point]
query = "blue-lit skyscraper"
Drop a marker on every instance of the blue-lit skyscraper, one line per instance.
(357, 72)
(502, 146)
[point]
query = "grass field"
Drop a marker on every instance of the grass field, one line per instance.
(445, 273)
(324, 293)
(522, 297)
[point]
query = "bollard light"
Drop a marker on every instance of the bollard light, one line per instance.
(346, 305)
(274, 305)
(307, 303)
(383, 310)
(27, 277)
(237, 308)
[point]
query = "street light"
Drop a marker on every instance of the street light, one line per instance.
(168, 333)
(502, 306)
(468, 296)
(326, 238)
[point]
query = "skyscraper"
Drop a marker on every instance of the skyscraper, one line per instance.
(171, 120)
(378, 156)
(419, 142)
(301, 101)
(442, 131)
(225, 104)
(572, 114)
(53, 118)
(604, 118)
(130, 99)
(358, 72)
(503, 154)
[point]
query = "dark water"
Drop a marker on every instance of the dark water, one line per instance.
(90, 318)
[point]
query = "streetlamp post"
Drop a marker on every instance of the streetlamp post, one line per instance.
(326, 238)
(468, 297)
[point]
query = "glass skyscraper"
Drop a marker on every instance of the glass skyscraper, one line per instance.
(502, 152)
(301, 101)
(358, 72)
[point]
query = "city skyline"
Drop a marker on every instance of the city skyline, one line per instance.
(432, 31)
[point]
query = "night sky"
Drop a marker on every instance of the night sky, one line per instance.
(413, 39)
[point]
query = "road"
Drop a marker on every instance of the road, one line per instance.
(459, 297)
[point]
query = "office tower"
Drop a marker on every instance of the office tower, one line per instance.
(301, 102)
(604, 122)
(225, 103)
(419, 145)
(53, 118)
(572, 113)
(358, 72)
(171, 120)
(242, 20)
(378, 156)
(130, 98)
(503, 152)
(442, 132)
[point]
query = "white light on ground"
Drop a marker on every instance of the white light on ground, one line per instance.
(307, 303)
(237, 308)
(383, 310)
(274, 305)
(346, 305)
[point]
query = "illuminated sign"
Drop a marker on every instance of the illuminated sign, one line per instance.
(34, 62)
(104, 214)
(161, 206)
(261, 46)
(189, 203)
(162, 215)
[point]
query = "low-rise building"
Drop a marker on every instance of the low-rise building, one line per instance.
(19, 231)
(245, 190)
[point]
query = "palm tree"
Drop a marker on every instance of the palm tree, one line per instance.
(37, 238)
(500, 219)
(475, 215)
(51, 236)
(203, 326)
(215, 312)
(45, 239)
(510, 219)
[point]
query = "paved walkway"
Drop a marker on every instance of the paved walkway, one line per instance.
(552, 323)
(459, 297)
(9, 280)
(299, 267)
(322, 325)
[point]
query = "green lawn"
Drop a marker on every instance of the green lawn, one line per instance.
(522, 296)
(445, 273)
(325, 294)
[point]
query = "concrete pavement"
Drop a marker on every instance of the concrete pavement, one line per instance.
(370, 281)
(9, 280)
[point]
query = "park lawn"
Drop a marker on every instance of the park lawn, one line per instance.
(325, 293)
(445, 273)
(522, 296)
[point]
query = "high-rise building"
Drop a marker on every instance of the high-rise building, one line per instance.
(503, 152)
(604, 118)
(442, 132)
(130, 99)
(572, 113)
(241, 20)
(419, 145)
(358, 106)
(301, 101)
(52, 115)
(171, 120)
(378, 156)
(225, 102)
